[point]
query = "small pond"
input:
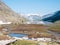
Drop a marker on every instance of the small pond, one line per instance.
(17, 35)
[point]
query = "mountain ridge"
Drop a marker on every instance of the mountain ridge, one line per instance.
(53, 18)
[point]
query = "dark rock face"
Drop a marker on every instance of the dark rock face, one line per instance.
(53, 18)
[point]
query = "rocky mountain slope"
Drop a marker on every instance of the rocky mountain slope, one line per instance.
(8, 15)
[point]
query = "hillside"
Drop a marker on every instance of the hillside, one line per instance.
(53, 17)
(8, 15)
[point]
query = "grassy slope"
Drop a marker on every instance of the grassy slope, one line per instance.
(27, 42)
(55, 27)
(24, 42)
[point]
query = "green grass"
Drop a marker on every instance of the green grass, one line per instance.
(24, 42)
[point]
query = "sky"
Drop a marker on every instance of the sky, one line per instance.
(41, 7)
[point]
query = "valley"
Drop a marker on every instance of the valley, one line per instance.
(20, 29)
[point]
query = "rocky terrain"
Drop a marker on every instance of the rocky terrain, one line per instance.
(8, 15)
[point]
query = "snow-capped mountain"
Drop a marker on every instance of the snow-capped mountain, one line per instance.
(46, 19)
(34, 18)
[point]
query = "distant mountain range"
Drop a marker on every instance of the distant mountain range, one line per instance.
(34, 18)
(46, 19)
